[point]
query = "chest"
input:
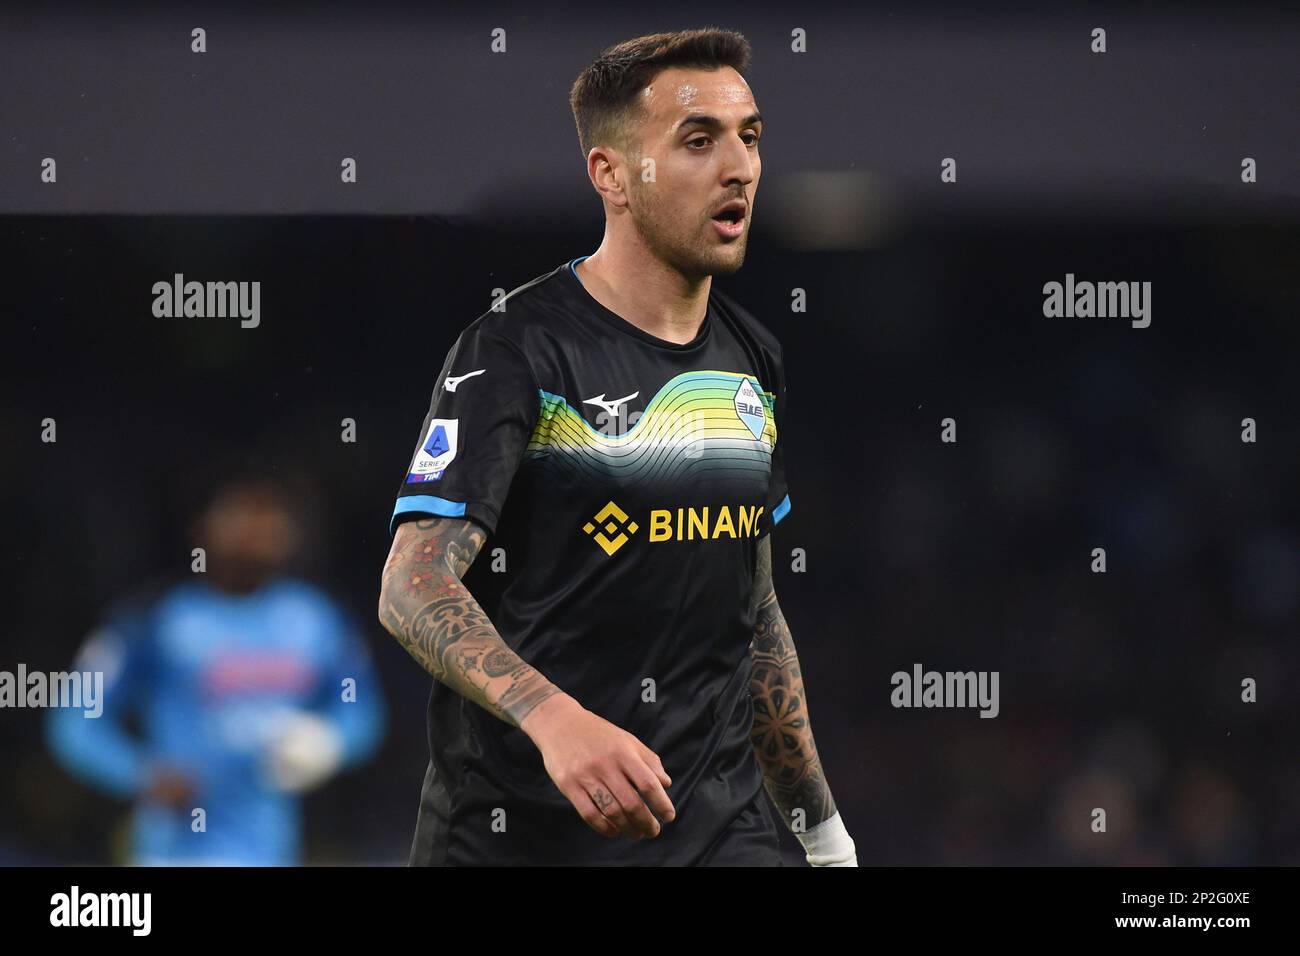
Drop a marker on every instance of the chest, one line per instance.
(256, 650)
(706, 425)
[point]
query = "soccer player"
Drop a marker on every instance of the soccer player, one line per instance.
(615, 682)
(236, 679)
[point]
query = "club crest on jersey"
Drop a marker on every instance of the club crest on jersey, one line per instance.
(436, 453)
(749, 408)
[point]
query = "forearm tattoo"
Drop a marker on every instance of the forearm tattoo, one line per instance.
(424, 604)
(782, 734)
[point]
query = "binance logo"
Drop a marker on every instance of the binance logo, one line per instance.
(609, 528)
(612, 529)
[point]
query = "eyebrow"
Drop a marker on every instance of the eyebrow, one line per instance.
(713, 123)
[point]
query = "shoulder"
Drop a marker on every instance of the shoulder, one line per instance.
(302, 596)
(138, 607)
(321, 622)
(126, 629)
(746, 322)
(753, 333)
(515, 316)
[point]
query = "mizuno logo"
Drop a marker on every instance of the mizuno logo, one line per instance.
(610, 407)
(454, 380)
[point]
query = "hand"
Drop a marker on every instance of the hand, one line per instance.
(169, 787)
(304, 751)
(606, 773)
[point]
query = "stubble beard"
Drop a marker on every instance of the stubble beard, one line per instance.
(694, 255)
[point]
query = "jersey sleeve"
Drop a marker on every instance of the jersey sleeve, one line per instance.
(484, 407)
(778, 495)
(361, 716)
(97, 745)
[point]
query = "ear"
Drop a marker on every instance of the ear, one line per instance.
(606, 168)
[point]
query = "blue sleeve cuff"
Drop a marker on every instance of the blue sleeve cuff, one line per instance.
(780, 511)
(425, 504)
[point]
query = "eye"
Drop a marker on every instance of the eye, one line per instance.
(751, 139)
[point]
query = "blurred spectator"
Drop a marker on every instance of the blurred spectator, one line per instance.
(248, 687)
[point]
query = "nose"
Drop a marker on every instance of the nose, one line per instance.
(738, 164)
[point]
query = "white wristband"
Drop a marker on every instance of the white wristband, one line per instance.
(829, 843)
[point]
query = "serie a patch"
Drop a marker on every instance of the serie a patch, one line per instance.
(436, 453)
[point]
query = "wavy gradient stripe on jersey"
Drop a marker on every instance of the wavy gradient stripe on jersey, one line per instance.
(690, 427)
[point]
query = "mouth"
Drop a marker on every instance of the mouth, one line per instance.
(729, 221)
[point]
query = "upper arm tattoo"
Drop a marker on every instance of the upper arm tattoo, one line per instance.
(763, 593)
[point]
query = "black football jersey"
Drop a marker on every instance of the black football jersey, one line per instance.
(624, 482)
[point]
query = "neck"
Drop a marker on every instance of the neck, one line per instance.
(237, 582)
(630, 281)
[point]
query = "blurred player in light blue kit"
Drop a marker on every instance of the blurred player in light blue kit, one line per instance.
(249, 687)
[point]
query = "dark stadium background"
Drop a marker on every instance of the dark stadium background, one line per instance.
(1119, 690)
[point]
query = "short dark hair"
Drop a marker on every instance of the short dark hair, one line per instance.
(604, 98)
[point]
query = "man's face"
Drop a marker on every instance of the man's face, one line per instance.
(251, 536)
(702, 132)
